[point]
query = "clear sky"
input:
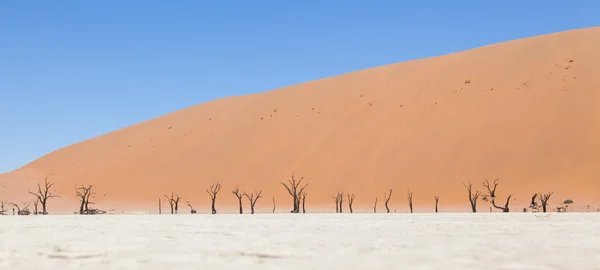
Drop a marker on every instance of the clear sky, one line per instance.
(73, 70)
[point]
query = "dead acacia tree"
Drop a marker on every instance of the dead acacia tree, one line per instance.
(437, 199)
(534, 205)
(544, 199)
(253, 197)
(192, 211)
(22, 211)
(43, 194)
(295, 189)
(35, 206)
(351, 201)
(473, 197)
(2, 205)
(387, 198)
(239, 196)
(82, 193)
(213, 191)
(409, 196)
(273, 204)
(339, 199)
(159, 206)
(375, 206)
(492, 195)
(173, 202)
(303, 202)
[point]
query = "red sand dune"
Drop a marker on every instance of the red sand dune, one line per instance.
(527, 111)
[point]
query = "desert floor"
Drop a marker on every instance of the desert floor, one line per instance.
(309, 241)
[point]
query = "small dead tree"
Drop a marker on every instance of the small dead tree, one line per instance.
(171, 201)
(273, 204)
(375, 206)
(213, 191)
(159, 206)
(43, 194)
(492, 195)
(295, 189)
(473, 197)
(22, 211)
(351, 201)
(239, 196)
(387, 198)
(437, 199)
(410, 200)
(192, 211)
(534, 205)
(253, 197)
(544, 199)
(82, 193)
(2, 207)
(339, 200)
(565, 205)
(303, 202)
(35, 206)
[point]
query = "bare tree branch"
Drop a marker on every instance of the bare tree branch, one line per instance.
(192, 211)
(43, 194)
(375, 206)
(351, 201)
(409, 196)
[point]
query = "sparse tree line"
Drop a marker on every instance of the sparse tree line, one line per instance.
(295, 188)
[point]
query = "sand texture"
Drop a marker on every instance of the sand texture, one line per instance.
(527, 111)
(311, 241)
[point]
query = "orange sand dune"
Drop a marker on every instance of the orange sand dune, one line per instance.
(527, 111)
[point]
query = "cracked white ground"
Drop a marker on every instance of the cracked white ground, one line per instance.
(302, 241)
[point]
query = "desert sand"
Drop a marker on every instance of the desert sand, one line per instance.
(311, 241)
(526, 111)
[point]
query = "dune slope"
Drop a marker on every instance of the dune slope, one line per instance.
(526, 111)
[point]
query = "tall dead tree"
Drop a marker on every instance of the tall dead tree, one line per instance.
(473, 197)
(375, 206)
(409, 196)
(387, 198)
(239, 196)
(43, 194)
(437, 199)
(273, 204)
(213, 191)
(192, 210)
(544, 199)
(295, 189)
(253, 197)
(492, 195)
(351, 201)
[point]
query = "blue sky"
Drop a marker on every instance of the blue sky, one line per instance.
(73, 70)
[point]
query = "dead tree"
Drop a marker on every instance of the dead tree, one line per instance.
(213, 191)
(192, 211)
(273, 204)
(239, 196)
(35, 206)
(492, 195)
(437, 199)
(387, 198)
(339, 200)
(410, 201)
(473, 197)
(159, 206)
(375, 206)
(253, 197)
(351, 201)
(303, 202)
(43, 194)
(534, 205)
(82, 193)
(544, 199)
(171, 201)
(22, 211)
(2, 205)
(295, 189)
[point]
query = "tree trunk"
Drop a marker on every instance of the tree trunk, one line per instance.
(544, 207)
(43, 207)
(304, 206)
(159, 207)
(241, 208)
(214, 210)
